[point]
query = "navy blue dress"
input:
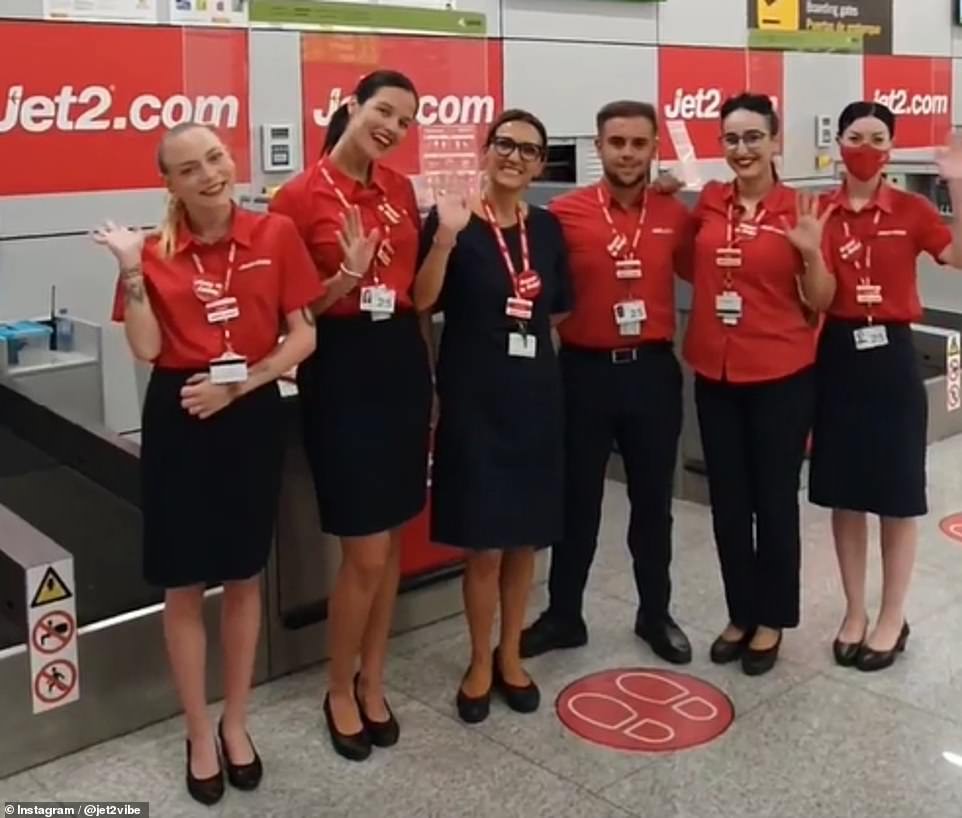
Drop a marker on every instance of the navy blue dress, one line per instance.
(498, 477)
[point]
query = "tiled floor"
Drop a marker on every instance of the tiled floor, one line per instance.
(809, 739)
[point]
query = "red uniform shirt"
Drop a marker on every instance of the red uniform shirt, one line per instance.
(663, 235)
(773, 338)
(272, 276)
(889, 234)
(315, 206)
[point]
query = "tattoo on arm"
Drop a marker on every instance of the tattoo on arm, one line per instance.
(134, 292)
(308, 314)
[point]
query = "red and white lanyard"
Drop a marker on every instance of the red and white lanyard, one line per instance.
(858, 253)
(737, 232)
(210, 292)
(513, 273)
(389, 217)
(619, 241)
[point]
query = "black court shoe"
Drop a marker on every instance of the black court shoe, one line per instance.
(870, 660)
(723, 651)
(353, 747)
(521, 699)
(846, 653)
(473, 709)
(758, 662)
(382, 733)
(242, 776)
(206, 791)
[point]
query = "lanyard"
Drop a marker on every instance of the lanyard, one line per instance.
(388, 217)
(745, 229)
(503, 246)
(859, 254)
(228, 277)
(619, 242)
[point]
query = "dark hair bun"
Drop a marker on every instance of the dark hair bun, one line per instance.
(860, 110)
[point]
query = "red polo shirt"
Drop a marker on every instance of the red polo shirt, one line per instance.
(772, 339)
(664, 233)
(272, 276)
(893, 229)
(314, 205)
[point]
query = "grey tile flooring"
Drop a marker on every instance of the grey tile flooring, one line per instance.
(809, 740)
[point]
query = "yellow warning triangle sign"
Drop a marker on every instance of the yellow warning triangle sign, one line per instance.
(954, 345)
(51, 589)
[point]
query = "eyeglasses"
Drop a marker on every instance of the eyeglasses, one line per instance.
(752, 139)
(504, 146)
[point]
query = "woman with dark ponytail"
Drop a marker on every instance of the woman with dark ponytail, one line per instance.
(366, 392)
(870, 438)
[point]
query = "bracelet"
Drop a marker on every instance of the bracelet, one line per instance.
(343, 269)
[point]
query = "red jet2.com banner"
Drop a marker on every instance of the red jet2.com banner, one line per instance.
(88, 114)
(693, 84)
(919, 92)
(458, 80)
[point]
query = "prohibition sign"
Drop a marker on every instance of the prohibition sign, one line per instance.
(645, 710)
(55, 681)
(53, 632)
(952, 527)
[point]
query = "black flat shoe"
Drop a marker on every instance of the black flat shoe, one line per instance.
(382, 733)
(354, 747)
(550, 633)
(846, 653)
(759, 662)
(869, 660)
(473, 709)
(521, 699)
(206, 791)
(665, 638)
(723, 652)
(242, 776)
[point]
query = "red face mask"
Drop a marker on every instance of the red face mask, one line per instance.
(864, 161)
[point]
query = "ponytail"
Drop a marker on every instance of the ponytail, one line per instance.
(336, 129)
(167, 229)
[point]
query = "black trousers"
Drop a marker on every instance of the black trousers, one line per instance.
(754, 437)
(636, 404)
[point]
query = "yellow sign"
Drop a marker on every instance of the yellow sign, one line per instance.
(51, 589)
(778, 15)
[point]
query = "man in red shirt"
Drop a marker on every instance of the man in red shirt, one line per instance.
(622, 380)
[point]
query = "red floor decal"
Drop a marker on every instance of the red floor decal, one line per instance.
(952, 527)
(645, 710)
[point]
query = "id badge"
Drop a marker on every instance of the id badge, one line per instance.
(519, 308)
(228, 369)
(522, 346)
(380, 301)
(222, 310)
(851, 250)
(868, 293)
(747, 230)
(728, 257)
(628, 269)
(630, 330)
(529, 284)
(728, 306)
(630, 312)
(871, 337)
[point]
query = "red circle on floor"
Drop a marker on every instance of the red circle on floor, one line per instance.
(645, 710)
(952, 527)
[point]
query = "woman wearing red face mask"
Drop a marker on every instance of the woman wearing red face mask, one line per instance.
(869, 440)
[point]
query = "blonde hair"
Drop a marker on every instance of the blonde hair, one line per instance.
(174, 214)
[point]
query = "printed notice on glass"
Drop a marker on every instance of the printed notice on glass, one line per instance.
(210, 12)
(129, 11)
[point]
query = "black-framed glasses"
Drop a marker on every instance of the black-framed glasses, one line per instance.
(504, 146)
(752, 140)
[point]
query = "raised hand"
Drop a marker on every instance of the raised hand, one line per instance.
(454, 212)
(359, 247)
(125, 244)
(949, 159)
(807, 233)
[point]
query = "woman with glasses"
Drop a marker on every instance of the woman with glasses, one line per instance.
(757, 271)
(496, 267)
(869, 443)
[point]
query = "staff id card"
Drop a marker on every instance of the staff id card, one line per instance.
(379, 301)
(222, 310)
(522, 345)
(629, 316)
(728, 306)
(229, 368)
(871, 337)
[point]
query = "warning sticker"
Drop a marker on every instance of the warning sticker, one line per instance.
(55, 682)
(953, 373)
(53, 632)
(51, 589)
(52, 624)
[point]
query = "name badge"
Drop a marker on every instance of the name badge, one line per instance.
(519, 308)
(871, 337)
(728, 306)
(529, 284)
(628, 268)
(227, 369)
(747, 230)
(379, 301)
(222, 310)
(868, 293)
(728, 257)
(630, 312)
(851, 250)
(385, 252)
(208, 290)
(522, 346)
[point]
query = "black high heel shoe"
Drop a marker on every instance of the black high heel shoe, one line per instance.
(521, 699)
(354, 747)
(382, 733)
(242, 776)
(846, 653)
(758, 662)
(206, 791)
(869, 660)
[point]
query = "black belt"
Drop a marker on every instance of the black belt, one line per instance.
(620, 355)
